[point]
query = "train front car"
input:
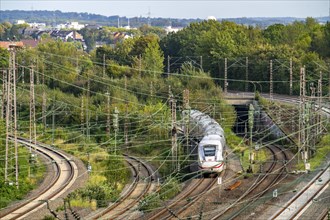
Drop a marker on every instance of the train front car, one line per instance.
(211, 143)
(210, 154)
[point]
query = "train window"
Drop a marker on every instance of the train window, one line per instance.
(209, 150)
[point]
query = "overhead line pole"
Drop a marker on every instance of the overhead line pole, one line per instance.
(174, 149)
(319, 118)
(108, 113)
(44, 100)
(302, 120)
(290, 76)
(4, 94)
(226, 83)
(246, 74)
(8, 124)
(32, 110)
(103, 65)
(11, 117)
(15, 117)
(168, 64)
(87, 109)
(186, 116)
(271, 80)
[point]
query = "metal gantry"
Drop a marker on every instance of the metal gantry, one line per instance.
(11, 151)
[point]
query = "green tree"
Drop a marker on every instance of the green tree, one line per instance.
(153, 58)
(275, 34)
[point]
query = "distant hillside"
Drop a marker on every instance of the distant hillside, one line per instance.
(55, 17)
(265, 22)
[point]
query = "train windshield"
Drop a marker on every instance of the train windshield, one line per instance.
(209, 150)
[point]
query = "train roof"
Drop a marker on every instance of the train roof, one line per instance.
(206, 123)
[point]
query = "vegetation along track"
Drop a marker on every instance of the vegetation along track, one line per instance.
(65, 175)
(141, 185)
(184, 200)
(294, 208)
(262, 184)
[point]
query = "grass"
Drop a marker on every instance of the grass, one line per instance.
(167, 190)
(260, 157)
(107, 178)
(30, 175)
(322, 150)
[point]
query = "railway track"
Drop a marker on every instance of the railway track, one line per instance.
(323, 215)
(65, 175)
(141, 185)
(193, 192)
(295, 208)
(263, 184)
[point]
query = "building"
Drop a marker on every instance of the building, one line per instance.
(70, 25)
(66, 35)
(6, 44)
(170, 29)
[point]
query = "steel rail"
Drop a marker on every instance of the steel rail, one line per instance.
(301, 193)
(106, 214)
(15, 213)
(255, 186)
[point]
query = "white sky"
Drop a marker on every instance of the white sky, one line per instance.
(181, 8)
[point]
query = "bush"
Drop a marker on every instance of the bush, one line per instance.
(150, 202)
(169, 189)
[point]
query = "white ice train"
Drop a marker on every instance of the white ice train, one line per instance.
(211, 141)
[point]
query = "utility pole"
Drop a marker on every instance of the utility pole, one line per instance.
(115, 126)
(4, 94)
(108, 113)
(53, 121)
(201, 62)
(168, 65)
(37, 68)
(151, 90)
(44, 101)
(271, 80)
(186, 116)
(23, 67)
(140, 64)
(311, 126)
(32, 110)
(172, 102)
(246, 74)
(15, 114)
(82, 116)
(126, 114)
(226, 83)
(319, 117)
(8, 120)
(11, 119)
(251, 122)
(103, 65)
(126, 124)
(302, 116)
(290, 76)
(87, 109)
